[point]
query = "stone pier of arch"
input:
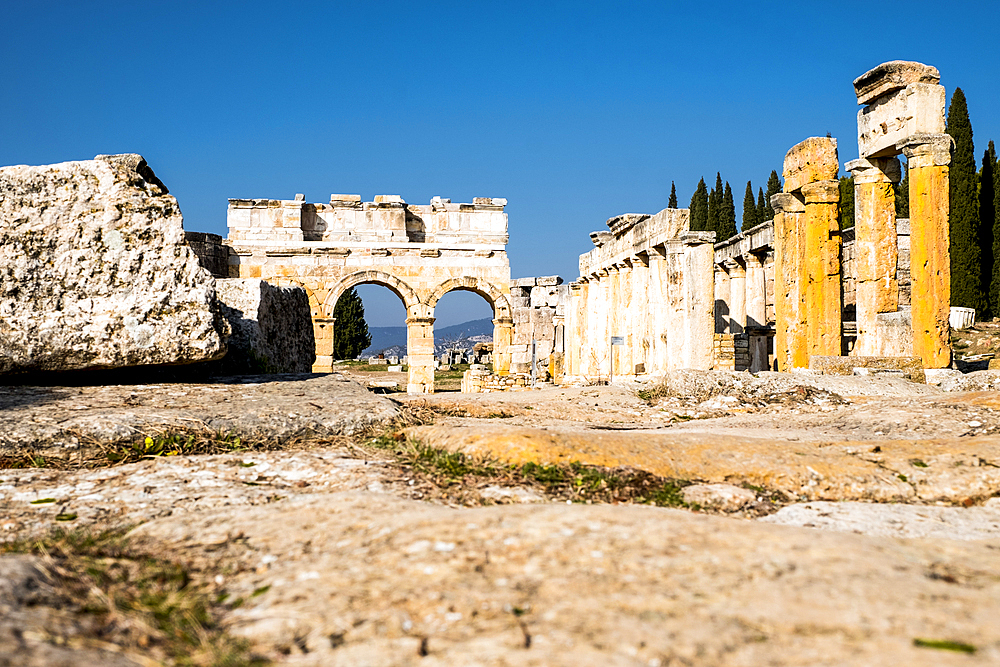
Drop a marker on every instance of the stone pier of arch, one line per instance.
(419, 252)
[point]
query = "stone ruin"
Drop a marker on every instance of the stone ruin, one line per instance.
(795, 292)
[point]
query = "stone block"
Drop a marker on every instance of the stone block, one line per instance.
(97, 273)
(522, 282)
(539, 297)
(814, 159)
(909, 367)
(882, 125)
(549, 281)
(892, 76)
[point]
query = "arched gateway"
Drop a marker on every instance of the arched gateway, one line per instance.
(418, 252)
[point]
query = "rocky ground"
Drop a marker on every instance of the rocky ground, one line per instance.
(803, 520)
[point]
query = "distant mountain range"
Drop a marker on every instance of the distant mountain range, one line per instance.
(392, 340)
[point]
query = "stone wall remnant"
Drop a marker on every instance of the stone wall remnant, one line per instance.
(539, 306)
(96, 273)
(272, 328)
(419, 252)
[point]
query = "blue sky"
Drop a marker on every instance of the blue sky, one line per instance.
(574, 112)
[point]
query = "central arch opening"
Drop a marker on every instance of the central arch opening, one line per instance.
(463, 335)
(381, 365)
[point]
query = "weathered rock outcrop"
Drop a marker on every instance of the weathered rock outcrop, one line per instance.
(272, 327)
(94, 272)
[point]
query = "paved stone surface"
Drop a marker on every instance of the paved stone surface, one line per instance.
(60, 420)
(954, 523)
(362, 578)
(95, 271)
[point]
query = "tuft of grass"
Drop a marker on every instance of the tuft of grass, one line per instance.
(145, 605)
(945, 645)
(917, 463)
(577, 482)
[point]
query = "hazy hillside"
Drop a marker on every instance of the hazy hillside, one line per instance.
(464, 335)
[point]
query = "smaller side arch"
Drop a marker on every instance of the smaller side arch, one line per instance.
(487, 290)
(397, 286)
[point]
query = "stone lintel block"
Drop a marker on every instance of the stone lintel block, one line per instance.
(695, 238)
(599, 238)
(783, 202)
(814, 159)
(927, 150)
(389, 199)
(875, 170)
(918, 109)
(821, 192)
(549, 280)
(337, 199)
(891, 76)
(523, 282)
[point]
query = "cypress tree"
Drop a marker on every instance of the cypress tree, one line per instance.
(672, 202)
(762, 207)
(715, 208)
(749, 209)
(902, 192)
(773, 188)
(986, 219)
(846, 213)
(727, 214)
(989, 214)
(350, 335)
(963, 220)
(699, 208)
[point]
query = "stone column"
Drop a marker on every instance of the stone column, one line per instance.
(658, 313)
(699, 299)
(928, 158)
(876, 252)
(503, 337)
(641, 312)
(323, 333)
(420, 353)
(576, 325)
(737, 296)
(721, 308)
(623, 364)
(821, 255)
(756, 310)
(789, 328)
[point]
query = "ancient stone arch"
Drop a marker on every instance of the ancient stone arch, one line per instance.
(420, 252)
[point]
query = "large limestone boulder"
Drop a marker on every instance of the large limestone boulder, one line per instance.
(94, 272)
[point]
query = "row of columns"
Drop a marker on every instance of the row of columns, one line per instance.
(659, 301)
(742, 281)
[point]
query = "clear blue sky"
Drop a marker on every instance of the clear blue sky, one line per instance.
(574, 112)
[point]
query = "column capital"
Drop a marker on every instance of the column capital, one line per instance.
(785, 202)
(927, 150)
(821, 192)
(733, 267)
(427, 321)
(875, 170)
(503, 322)
(324, 320)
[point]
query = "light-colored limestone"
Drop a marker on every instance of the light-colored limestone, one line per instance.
(96, 273)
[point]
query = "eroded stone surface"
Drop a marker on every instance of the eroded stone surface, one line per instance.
(57, 421)
(95, 272)
(953, 523)
(347, 579)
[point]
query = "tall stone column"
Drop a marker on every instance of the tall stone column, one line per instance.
(821, 255)
(756, 310)
(790, 348)
(699, 299)
(876, 252)
(928, 158)
(420, 354)
(576, 326)
(722, 295)
(623, 364)
(641, 312)
(737, 296)
(602, 345)
(659, 312)
(323, 333)
(503, 337)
